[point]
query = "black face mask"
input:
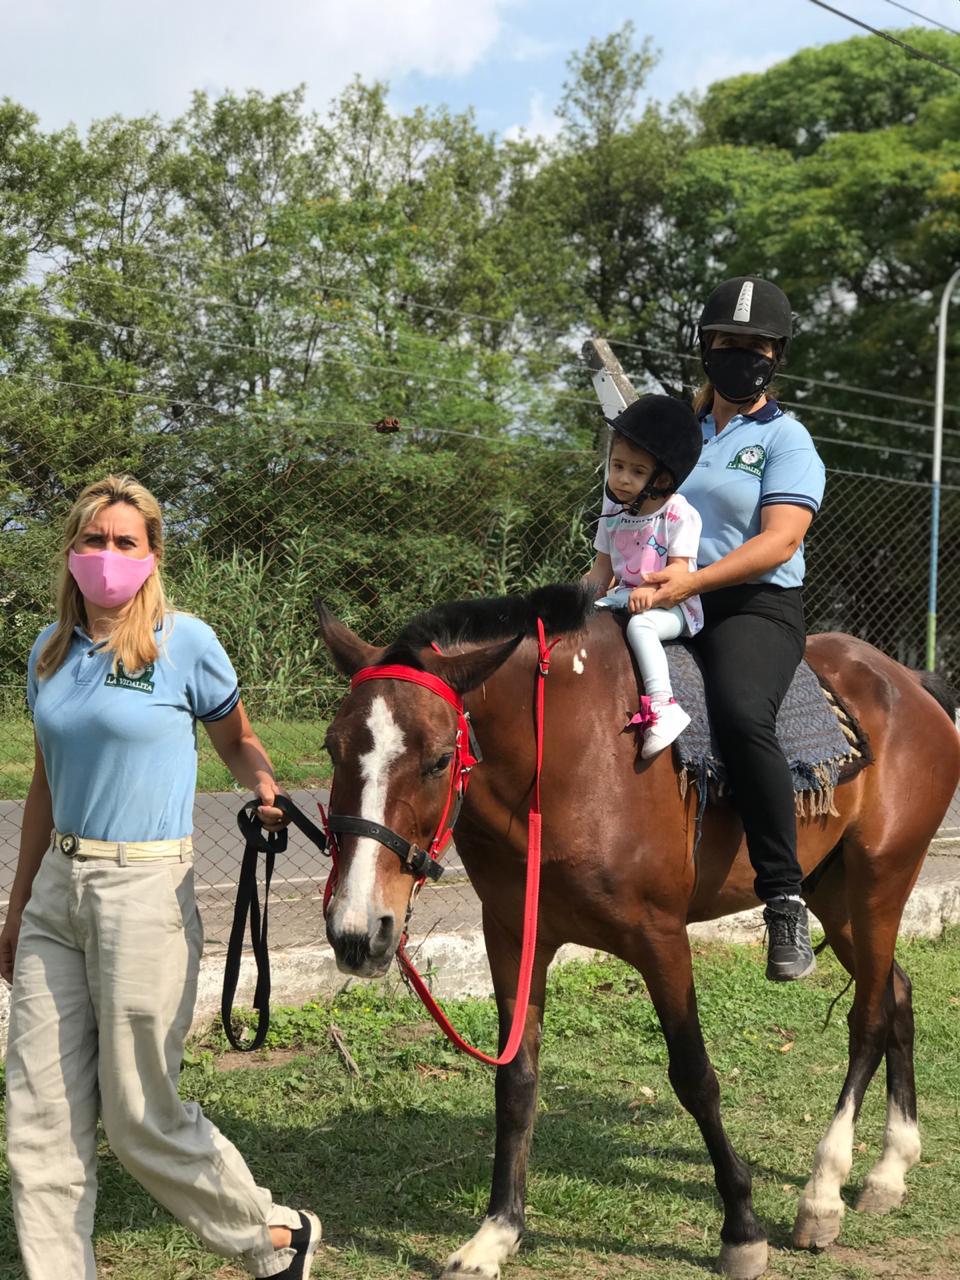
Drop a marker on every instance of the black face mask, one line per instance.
(740, 375)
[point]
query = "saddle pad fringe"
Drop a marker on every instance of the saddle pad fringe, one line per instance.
(821, 740)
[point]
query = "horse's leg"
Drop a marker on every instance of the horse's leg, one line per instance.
(516, 1095)
(662, 954)
(884, 1188)
(863, 931)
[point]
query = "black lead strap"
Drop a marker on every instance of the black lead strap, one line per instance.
(247, 907)
(270, 843)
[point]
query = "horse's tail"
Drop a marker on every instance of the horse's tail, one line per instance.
(941, 691)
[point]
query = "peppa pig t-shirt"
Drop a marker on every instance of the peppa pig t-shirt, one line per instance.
(642, 544)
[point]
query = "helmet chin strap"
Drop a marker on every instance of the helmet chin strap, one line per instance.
(750, 399)
(633, 508)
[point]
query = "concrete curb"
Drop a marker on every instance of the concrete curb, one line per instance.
(458, 961)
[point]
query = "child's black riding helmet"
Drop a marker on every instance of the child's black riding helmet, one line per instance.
(667, 429)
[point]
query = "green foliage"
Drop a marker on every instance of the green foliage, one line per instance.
(397, 1161)
(227, 303)
(859, 85)
(833, 172)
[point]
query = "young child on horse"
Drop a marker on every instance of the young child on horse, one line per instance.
(644, 526)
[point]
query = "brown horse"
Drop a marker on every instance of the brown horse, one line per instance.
(619, 873)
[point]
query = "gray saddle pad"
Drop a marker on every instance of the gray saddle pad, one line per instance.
(809, 729)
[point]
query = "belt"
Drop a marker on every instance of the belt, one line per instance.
(123, 851)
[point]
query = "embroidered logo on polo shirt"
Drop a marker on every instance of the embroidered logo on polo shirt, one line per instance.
(142, 679)
(750, 459)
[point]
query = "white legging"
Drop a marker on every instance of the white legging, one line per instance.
(645, 633)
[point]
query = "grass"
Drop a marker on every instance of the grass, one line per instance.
(295, 746)
(397, 1161)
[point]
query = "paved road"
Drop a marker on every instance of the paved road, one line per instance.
(295, 914)
(301, 873)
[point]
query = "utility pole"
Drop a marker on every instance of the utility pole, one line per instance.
(614, 389)
(937, 467)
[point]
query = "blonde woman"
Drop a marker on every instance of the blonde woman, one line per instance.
(102, 939)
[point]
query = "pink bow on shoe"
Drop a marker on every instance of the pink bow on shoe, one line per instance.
(645, 718)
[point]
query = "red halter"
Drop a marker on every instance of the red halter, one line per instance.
(463, 757)
(463, 761)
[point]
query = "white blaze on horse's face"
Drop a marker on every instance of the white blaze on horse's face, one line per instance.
(355, 895)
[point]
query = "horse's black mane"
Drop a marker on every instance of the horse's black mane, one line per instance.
(564, 607)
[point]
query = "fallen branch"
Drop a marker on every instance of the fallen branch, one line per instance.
(336, 1035)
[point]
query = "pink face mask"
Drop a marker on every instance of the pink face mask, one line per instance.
(108, 578)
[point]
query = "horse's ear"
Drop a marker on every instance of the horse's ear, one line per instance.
(466, 671)
(348, 651)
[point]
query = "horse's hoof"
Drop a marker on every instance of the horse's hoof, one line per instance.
(743, 1261)
(816, 1231)
(878, 1198)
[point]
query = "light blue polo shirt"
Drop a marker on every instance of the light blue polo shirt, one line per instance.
(120, 750)
(757, 460)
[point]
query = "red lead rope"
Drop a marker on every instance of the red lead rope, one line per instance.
(530, 909)
(459, 776)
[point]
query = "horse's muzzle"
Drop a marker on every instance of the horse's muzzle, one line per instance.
(365, 955)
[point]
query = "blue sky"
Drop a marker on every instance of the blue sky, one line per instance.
(71, 61)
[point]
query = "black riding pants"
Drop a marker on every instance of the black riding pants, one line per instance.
(750, 646)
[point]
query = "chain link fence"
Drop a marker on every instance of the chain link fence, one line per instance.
(381, 524)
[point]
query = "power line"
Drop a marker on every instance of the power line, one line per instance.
(418, 376)
(829, 383)
(287, 358)
(501, 321)
(415, 376)
(513, 441)
(311, 419)
(404, 339)
(562, 334)
(885, 35)
(316, 419)
(874, 475)
(158, 393)
(897, 5)
(281, 358)
(866, 417)
(876, 448)
(802, 405)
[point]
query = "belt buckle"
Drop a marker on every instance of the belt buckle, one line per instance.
(69, 844)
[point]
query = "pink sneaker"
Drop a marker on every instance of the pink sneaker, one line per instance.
(660, 725)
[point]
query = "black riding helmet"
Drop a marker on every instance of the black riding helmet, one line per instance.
(668, 430)
(745, 304)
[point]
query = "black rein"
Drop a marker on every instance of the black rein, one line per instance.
(247, 907)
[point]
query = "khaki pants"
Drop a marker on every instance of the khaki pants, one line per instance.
(104, 987)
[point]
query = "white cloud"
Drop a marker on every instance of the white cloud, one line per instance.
(519, 46)
(723, 67)
(70, 61)
(541, 123)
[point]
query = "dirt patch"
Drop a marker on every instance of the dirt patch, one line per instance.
(589, 1266)
(410, 1032)
(233, 1061)
(906, 1258)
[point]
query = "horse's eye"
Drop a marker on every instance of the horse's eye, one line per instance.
(439, 765)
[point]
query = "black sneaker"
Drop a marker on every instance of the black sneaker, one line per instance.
(790, 955)
(304, 1241)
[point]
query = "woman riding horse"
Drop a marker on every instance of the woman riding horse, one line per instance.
(618, 870)
(757, 487)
